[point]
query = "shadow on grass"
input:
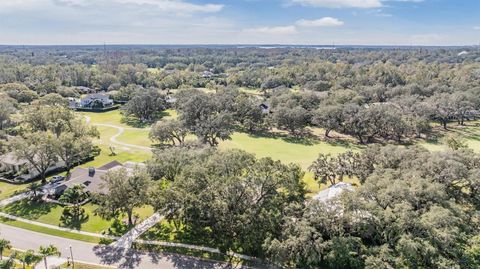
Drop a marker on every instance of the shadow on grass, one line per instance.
(138, 123)
(168, 232)
(29, 209)
(73, 222)
(303, 138)
(134, 122)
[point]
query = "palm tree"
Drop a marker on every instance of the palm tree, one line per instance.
(34, 187)
(45, 252)
(28, 258)
(8, 264)
(74, 195)
(4, 244)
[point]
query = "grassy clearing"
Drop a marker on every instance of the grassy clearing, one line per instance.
(469, 133)
(302, 151)
(135, 137)
(49, 213)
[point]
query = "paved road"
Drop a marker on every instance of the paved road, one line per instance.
(91, 253)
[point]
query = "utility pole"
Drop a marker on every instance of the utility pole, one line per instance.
(71, 255)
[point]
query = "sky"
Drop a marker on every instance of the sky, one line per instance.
(308, 22)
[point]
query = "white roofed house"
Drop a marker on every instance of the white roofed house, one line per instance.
(96, 101)
(20, 170)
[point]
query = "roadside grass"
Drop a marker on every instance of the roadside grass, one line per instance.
(50, 213)
(79, 265)
(44, 230)
(205, 255)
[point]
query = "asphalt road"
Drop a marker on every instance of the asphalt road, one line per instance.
(91, 253)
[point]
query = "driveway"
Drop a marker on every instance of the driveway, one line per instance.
(91, 253)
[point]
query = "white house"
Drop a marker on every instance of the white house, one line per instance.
(96, 100)
(22, 170)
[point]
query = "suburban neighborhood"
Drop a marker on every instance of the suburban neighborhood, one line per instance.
(199, 134)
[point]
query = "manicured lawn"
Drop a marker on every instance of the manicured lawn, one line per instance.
(110, 117)
(135, 137)
(8, 190)
(302, 152)
(49, 231)
(122, 155)
(50, 213)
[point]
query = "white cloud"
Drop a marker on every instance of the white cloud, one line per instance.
(348, 3)
(178, 6)
(323, 22)
(276, 30)
(174, 5)
(476, 28)
(340, 3)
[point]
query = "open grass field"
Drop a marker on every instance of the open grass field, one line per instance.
(49, 213)
(288, 151)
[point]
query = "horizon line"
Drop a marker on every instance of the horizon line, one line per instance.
(239, 44)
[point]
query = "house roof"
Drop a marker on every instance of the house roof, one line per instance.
(91, 178)
(333, 191)
(109, 165)
(11, 159)
(94, 96)
(82, 176)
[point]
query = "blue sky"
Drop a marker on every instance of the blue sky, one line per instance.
(360, 22)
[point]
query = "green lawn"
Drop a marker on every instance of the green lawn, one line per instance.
(8, 190)
(122, 155)
(135, 137)
(50, 213)
(110, 117)
(40, 229)
(302, 152)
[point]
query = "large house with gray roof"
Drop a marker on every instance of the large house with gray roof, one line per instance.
(91, 178)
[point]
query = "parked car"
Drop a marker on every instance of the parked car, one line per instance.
(56, 179)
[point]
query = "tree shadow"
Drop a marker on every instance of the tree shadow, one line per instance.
(73, 222)
(138, 123)
(303, 138)
(119, 257)
(134, 122)
(29, 209)
(118, 228)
